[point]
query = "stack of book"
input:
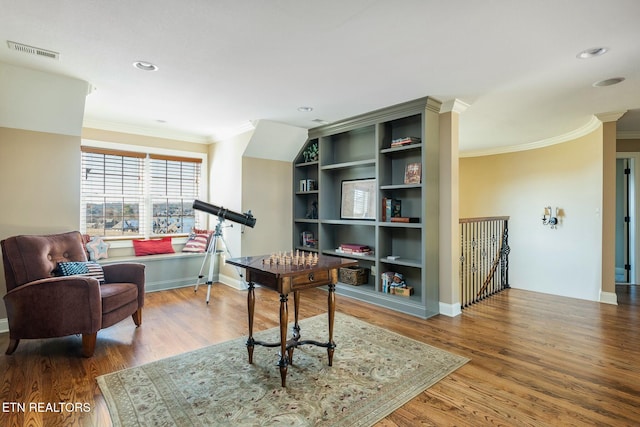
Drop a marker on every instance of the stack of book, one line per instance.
(407, 140)
(390, 208)
(354, 249)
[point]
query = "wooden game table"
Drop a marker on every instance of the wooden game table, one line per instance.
(284, 276)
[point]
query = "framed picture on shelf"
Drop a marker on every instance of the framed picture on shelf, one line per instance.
(413, 173)
(358, 199)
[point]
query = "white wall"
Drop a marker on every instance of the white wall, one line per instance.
(225, 190)
(566, 261)
(39, 101)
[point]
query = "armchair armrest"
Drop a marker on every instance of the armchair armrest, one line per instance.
(127, 272)
(54, 307)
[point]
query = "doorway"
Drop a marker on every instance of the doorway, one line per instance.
(626, 265)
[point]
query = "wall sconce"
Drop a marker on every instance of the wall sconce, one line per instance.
(549, 220)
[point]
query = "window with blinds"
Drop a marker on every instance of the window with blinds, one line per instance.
(129, 194)
(112, 192)
(175, 184)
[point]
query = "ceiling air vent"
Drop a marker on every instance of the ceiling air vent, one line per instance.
(33, 50)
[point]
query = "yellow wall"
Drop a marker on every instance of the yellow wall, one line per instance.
(39, 185)
(566, 261)
(267, 192)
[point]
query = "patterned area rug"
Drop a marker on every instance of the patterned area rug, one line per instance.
(374, 372)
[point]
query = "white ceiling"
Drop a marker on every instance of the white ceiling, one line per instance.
(225, 63)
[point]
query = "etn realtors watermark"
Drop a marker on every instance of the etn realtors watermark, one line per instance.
(55, 407)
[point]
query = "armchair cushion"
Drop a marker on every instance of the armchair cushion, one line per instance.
(80, 268)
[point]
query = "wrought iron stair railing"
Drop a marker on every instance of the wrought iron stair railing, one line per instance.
(484, 258)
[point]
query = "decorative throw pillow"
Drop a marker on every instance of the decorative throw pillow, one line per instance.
(77, 268)
(97, 249)
(153, 246)
(201, 231)
(197, 243)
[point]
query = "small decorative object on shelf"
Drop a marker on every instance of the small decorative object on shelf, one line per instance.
(307, 239)
(353, 275)
(312, 213)
(391, 208)
(310, 154)
(413, 173)
(407, 140)
(393, 283)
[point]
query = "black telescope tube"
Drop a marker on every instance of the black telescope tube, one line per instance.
(244, 219)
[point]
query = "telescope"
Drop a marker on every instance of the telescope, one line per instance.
(222, 213)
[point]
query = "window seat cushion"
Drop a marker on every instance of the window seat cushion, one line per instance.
(144, 247)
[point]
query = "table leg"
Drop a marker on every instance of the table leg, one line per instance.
(251, 303)
(284, 318)
(332, 311)
(296, 326)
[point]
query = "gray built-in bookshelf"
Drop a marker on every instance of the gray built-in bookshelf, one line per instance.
(378, 145)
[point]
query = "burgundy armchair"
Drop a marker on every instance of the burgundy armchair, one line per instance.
(41, 305)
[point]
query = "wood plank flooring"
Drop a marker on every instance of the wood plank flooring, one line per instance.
(536, 359)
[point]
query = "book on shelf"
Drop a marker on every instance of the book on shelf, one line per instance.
(406, 140)
(308, 185)
(354, 249)
(411, 219)
(413, 173)
(354, 246)
(391, 208)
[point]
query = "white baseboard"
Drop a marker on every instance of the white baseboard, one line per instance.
(233, 282)
(609, 298)
(451, 310)
(4, 325)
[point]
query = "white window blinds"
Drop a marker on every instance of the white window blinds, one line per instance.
(112, 192)
(175, 184)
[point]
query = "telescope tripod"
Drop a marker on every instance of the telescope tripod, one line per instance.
(211, 254)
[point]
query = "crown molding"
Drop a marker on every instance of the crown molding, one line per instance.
(628, 134)
(245, 127)
(454, 105)
(612, 116)
(144, 131)
(593, 124)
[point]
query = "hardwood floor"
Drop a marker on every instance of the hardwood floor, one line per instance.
(536, 359)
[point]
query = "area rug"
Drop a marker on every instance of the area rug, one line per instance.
(374, 372)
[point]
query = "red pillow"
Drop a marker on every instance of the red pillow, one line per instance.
(153, 246)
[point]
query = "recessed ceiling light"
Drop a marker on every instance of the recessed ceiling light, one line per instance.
(593, 52)
(608, 82)
(305, 109)
(145, 66)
